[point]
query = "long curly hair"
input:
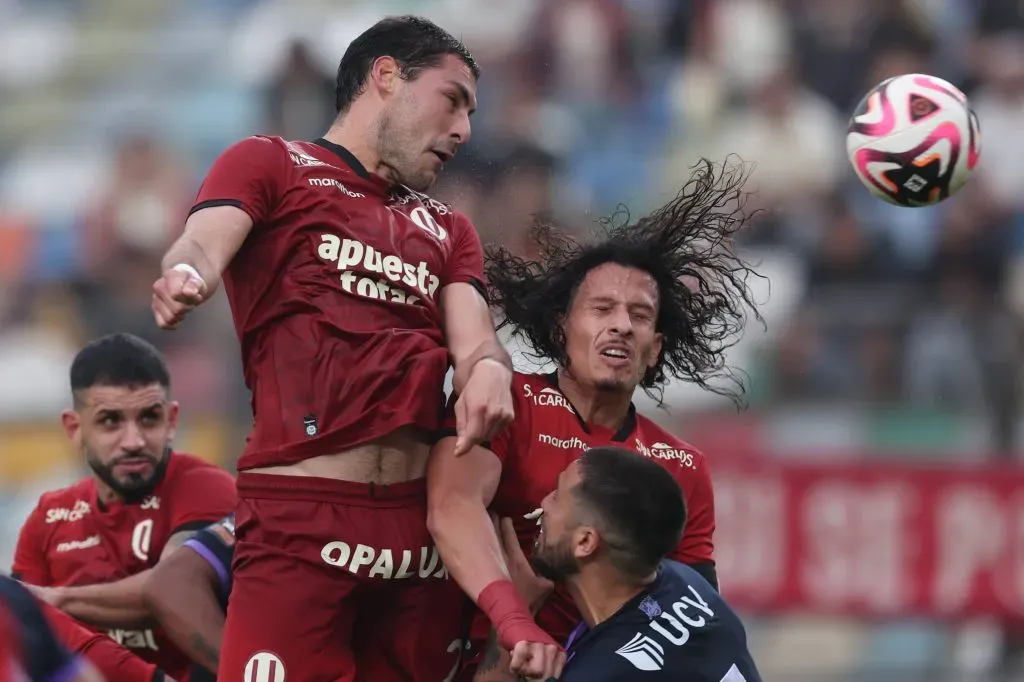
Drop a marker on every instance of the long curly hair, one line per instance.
(686, 246)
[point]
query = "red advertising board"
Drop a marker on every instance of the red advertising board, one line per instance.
(870, 539)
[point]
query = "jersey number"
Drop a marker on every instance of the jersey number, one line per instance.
(141, 537)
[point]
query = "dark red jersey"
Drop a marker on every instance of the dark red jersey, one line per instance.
(547, 435)
(115, 662)
(335, 295)
(70, 538)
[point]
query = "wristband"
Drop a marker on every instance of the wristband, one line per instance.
(189, 270)
(510, 615)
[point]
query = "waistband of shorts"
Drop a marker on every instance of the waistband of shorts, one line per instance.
(309, 488)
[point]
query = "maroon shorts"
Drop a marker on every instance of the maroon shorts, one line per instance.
(337, 581)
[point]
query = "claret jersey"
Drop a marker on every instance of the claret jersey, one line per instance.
(546, 436)
(70, 538)
(335, 296)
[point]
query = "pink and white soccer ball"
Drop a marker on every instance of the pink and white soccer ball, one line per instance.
(913, 140)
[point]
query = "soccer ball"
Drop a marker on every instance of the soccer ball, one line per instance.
(913, 140)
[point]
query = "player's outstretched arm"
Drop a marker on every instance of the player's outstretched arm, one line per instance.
(459, 492)
(117, 604)
(240, 191)
(181, 592)
(194, 264)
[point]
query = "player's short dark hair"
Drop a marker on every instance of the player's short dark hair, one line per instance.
(635, 504)
(414, 42)
(686, 246)
(121, 360)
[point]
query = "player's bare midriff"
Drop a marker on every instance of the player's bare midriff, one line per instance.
(395, 458)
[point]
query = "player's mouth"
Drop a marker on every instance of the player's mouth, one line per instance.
(442, 155)
(134, 465)
(616, 355)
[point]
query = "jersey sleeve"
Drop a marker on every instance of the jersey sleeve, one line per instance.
(697, 546)
(248, 175)
(113, 661)
(502, 444)
(30, 563)
(203, 495)
(216, 545)
(466, 262)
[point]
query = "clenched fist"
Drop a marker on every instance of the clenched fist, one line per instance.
(178, 291)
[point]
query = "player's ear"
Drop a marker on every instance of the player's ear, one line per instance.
(72, 423)
(585, 541)
(172, 418)
(385, 74)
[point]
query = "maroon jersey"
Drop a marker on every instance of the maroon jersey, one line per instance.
(70, 538)
(335, 296)
(546, 436)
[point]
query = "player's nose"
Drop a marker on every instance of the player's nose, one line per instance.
(463, 129)
(132, 439)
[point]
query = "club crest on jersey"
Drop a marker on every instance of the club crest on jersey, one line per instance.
(426, 222)
(547, 397)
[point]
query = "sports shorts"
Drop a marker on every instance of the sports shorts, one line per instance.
(338, 581)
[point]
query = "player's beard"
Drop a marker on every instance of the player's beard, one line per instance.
(555, 561)
(136, 486)
(397, 145)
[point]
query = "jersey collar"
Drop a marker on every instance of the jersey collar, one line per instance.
(624, 432)
(355, 164)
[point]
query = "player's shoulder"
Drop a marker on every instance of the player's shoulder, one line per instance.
(68, 496)
(654, 441)
(259, 145)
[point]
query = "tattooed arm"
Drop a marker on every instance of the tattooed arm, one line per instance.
(185, 591)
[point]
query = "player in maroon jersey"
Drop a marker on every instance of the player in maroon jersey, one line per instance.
(351, 294)
(88, 548)
(47, 645)
(657, 298)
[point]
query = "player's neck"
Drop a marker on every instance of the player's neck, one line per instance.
(105, 494)
(599, 593)
(608, 409)
(355, 134)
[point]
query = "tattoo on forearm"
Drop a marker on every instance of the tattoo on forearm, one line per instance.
(492, 653)
(205, 648)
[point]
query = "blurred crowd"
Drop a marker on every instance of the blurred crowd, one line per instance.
(113, 109)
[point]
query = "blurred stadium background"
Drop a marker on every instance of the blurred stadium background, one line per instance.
(871, 504)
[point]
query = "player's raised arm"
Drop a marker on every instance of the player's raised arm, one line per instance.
(239, 192)
(459, 490)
